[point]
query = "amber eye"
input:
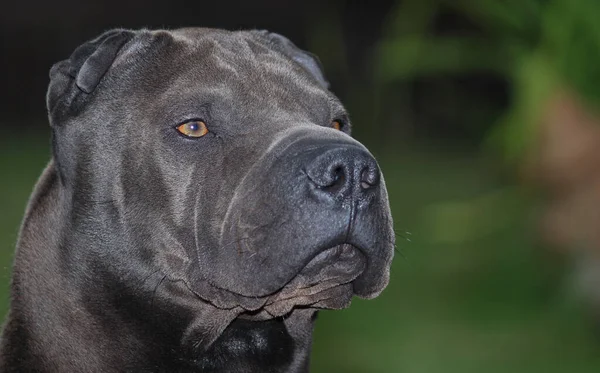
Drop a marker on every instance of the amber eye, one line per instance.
(193, 128)
(336, 124)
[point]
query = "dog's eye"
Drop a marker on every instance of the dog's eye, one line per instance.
(337, 124)
(193, 128)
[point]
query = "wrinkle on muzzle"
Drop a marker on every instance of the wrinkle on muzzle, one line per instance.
(325, 282)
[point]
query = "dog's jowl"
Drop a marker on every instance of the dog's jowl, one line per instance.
(204, 199)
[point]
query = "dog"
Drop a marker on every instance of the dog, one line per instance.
(203, 201)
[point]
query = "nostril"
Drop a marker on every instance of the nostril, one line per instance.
(335, 180)
(369, 177)
(329, 178)
(338, 176)
(341, 173)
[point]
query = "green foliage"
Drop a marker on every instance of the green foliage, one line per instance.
(534, 79)
(537, 46)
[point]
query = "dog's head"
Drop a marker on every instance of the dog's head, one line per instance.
(222, 160)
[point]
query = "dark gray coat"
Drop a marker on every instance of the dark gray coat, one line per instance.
(145, 250)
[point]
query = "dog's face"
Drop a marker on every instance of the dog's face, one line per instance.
(221, 159)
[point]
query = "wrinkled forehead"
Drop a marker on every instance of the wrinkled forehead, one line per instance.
(239, 52)
(222, 66)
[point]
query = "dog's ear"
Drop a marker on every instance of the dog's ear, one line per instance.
(307, 60)
(73, 79)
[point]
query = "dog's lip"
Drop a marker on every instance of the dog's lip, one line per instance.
(324, 282)
(322, 255)
(303, 289)
(331, 250)
(344, 250)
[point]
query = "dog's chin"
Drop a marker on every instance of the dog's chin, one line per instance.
(324, 283)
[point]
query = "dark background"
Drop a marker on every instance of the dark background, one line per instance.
(443, 93)
(36, 34)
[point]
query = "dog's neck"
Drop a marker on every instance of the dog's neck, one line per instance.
(63, 321)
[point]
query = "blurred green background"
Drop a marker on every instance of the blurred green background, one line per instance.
(451, 96)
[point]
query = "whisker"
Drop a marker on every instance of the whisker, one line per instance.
(400, 252)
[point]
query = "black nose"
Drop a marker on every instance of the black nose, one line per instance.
(343, 172)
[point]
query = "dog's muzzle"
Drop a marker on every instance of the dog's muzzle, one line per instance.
(311, 217)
